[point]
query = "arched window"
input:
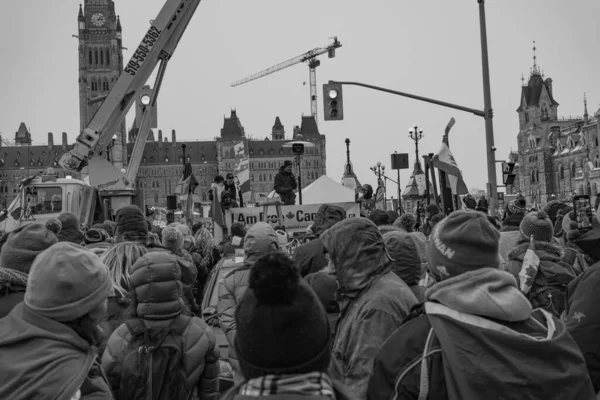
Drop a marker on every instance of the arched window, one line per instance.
(94, 85)
(537, 175)
(106, 86)
(252, 178)
(597, 162)
(101, 58)
(526, 117)
(573, 169)
(561, 172)
(96, 55)
(108, 57)
(532, 176)
(155, 198)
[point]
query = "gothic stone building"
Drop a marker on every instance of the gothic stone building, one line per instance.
(557, 157)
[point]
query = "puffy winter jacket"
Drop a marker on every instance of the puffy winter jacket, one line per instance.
(373, 300)
(44, 359)
(117, 313)
(284, 185)
(155, 277)
(582, 317)
(260, 239)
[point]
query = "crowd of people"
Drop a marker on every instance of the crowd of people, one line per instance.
(387, 306)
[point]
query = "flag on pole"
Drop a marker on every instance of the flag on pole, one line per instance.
(444, 161)
(529, 269)
(241, 169)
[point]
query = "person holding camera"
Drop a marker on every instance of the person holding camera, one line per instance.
(285, 184)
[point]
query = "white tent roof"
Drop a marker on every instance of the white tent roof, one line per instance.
(326, 190)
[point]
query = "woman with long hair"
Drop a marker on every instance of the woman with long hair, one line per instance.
(119, 259)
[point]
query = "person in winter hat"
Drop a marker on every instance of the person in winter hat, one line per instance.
(132, 227)
(188, 239)
(70, 230)
(283, 339)
(552, 276)
(406, 260)
(392, 216)
(111, 227)
(157, 304)
(474, 320)
(285, 183)
(379, 217)
(22, 247)
(373, 300)
(236, 242)
(48, 343)
(119, 260)
(509, 232)
(310, 257)
(366, 200)
(469, 201)
(54, 225)
(172, 240)
(325, 286)
(261, 239)
(97, 240)
(553, 208)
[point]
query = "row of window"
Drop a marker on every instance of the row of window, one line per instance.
(308, 175)
(99, 57)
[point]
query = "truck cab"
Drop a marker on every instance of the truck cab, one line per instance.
(45, 197)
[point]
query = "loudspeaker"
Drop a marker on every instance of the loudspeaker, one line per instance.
(171, 202)
(400, 161)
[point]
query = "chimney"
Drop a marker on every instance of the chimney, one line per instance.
(160, 137)
(50, 140)
(174, 138)
(548, 83)
(65, 144)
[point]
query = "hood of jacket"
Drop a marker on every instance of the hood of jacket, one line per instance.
(486, 292)
(157, 283)
(357, 251)
(260, 239)
(41, 358)
(327, 216)
(545, 251)
(406, 260)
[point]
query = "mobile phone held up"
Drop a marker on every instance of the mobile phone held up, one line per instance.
(583, 211)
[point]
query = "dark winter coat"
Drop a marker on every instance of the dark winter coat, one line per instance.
(284, 185)
(340, 394)
(44, 359)
(310, 257)
(512, 222)
(495, 320)
(373, 300)
(200, 353)
(582, 317)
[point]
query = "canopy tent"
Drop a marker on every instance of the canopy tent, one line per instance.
(326, 190)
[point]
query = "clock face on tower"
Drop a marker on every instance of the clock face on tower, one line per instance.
(98, 19)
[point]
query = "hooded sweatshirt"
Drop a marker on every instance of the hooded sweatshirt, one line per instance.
(481, 339)
(44, 359)
(310, 257)
(403, 249)
(373, 300)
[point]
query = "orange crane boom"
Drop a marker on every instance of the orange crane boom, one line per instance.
(309, 57)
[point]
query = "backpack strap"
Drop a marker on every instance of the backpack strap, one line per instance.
(424, 381)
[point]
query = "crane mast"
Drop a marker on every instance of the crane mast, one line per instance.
(310, 57)
(156, 47)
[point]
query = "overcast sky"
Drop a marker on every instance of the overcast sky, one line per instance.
(429, 48)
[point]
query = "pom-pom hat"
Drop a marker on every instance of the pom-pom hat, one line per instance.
(537, 225)
(282, 327)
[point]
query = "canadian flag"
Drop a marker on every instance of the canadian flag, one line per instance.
(444, 161)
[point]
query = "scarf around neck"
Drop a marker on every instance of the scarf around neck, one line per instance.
(310, 384)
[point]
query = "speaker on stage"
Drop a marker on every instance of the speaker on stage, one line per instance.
(171, 202)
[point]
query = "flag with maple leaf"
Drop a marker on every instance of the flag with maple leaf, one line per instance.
(529, 269)
(444, 161)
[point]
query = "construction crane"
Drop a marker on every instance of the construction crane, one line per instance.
(310, 57)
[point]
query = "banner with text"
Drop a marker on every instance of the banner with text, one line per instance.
(296, 218)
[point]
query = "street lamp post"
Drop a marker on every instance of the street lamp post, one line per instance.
(379, 171)
(416, 134)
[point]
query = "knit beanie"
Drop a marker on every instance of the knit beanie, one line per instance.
(23, 246)
(188, 239)
(518, 206)
(379, 217)
(406, 261)
(464, 241)
(70, 230)
(538, 225)
(324, 286)
(432, 209)
(95, 235)
(54, 225)
(172, 239)
(282, 327)
(406, 221)
(131, 224)
(66, 282)
(105, 227)
(552, 209)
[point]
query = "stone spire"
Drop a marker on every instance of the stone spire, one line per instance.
(586, 116)
(349, 178)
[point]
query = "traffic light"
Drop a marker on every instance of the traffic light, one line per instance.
(508, 176)
(333, 107)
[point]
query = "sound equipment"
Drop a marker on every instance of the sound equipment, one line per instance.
(171, 202)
